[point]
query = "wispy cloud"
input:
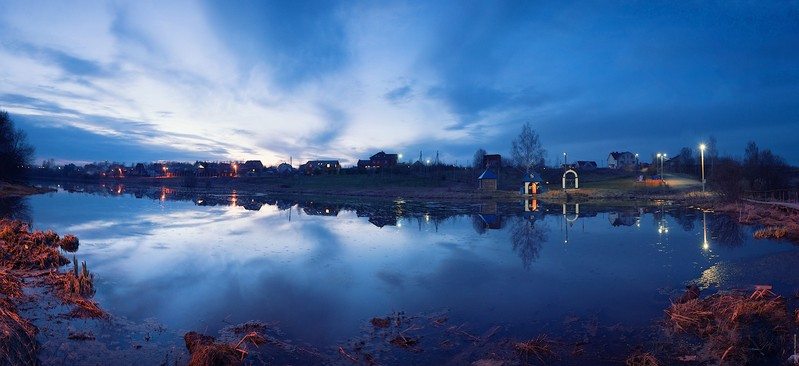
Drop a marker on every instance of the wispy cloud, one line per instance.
(306, 79)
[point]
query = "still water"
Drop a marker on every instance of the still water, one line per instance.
(321, 270)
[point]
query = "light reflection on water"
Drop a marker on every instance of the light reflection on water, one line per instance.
(323, 269)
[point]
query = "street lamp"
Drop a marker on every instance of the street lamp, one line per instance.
(656, 166)
(702, 154)
(565, 161)
(662, 168)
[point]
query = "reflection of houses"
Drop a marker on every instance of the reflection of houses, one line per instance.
(623, 218)
(314, 167)
(531, 184)
(490, 216)
(621, 160)
(319, 209)
(488, 181)
(531, 211)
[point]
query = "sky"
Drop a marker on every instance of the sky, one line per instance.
(139, 81)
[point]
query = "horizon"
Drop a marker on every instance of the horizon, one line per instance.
(270, 81)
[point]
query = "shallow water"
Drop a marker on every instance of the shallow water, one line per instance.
(322, 270)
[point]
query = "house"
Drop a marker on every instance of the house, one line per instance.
(492, 161)
(314, 167)
(622, 160)
(251, 168)
(382, 159)
(488, 181)
(585, 165)
(531, 183)
(285, 169)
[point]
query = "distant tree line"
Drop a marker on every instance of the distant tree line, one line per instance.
(760, 170)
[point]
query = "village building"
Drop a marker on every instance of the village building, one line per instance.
(488, 181)
(531, 183)
(492, 161)
(251, 168)
(622, 160)
(315, 167)
(585, 165)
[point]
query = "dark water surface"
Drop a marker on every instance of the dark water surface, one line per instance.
(322, 270)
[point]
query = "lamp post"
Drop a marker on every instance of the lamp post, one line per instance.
(656, 166)
(702, 154)
(662, 168)
(565, 161)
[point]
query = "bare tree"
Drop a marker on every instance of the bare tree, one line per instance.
(15, 152)
(477, 163)
(526, 149)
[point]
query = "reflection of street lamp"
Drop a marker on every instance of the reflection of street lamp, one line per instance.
(702, 153)
(705, 244)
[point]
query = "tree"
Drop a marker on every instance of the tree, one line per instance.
(477, 163)
(15, 152)
(526, 149)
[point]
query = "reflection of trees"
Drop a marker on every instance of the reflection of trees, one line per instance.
(527, 238)
(15, 208)
(684, 217)
(727, 231)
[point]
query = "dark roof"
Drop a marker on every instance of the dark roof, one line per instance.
(488, 174)
(533, 176)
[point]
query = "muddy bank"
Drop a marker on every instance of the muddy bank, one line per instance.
(9, 189)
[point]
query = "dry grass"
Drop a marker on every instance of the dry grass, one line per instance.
(18, 344)
(541, 348)
(733, 327)
(772, 232)
(69, 243)
(205, 351)
(642, 359)
(22, 249)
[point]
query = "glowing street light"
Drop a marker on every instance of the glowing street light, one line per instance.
(702, 153)
(235, 169)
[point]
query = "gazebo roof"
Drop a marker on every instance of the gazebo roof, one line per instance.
(488, 174)
(532, 176)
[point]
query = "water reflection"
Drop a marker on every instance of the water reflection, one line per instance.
(527, 237)
(15, 208)
(323, 267)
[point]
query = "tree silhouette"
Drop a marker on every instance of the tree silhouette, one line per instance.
(15, 152)
(526, 149)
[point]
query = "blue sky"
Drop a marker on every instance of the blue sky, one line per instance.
(270, 80)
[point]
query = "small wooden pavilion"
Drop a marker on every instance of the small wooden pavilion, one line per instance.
(532, 183)
(488, 181)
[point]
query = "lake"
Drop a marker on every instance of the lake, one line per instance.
(319, 270)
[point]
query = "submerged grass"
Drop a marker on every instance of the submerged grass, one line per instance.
(734, 328)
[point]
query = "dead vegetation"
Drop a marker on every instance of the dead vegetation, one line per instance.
(541, 348)
(735, 328)
(777, 221)
(206, 351)
(26, 253)
(642, 359)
